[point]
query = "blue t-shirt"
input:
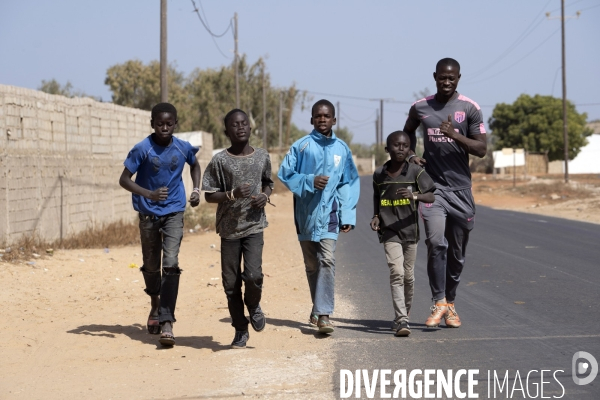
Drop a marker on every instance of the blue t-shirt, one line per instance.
(157, 166)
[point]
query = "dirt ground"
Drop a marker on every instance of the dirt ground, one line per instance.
(75, 321)
(75, 327)
(545, 195)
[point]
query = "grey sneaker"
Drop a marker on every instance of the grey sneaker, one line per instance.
(395, 325)
(403, 329)
(257, 318)
(240, 339)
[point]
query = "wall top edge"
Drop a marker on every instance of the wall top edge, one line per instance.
(8, 90)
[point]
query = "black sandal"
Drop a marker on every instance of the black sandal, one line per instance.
(153, 325)
(167, 339)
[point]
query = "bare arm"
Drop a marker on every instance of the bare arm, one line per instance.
(476, 146)
(196, 174)
(424, 197)
(126, 183)
(410, 127)
(375, 221)
(220, 197)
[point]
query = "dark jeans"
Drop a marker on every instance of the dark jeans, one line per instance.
(162, 234)
(232, 250)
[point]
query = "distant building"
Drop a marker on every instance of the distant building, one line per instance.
(588, 159)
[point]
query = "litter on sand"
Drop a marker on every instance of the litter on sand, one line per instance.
(133, 265)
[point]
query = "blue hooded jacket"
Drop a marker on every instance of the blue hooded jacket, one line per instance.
(318, 214)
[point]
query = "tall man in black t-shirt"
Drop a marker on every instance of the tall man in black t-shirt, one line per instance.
(453, 129)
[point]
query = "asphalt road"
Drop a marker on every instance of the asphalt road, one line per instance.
(528, 300)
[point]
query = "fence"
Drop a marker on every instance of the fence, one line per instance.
(60, 162)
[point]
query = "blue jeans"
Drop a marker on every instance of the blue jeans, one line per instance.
(319, 262)
(162, 235)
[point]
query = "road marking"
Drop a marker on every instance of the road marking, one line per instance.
(466, 339)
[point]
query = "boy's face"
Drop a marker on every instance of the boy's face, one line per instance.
(398, 147)
(164, 124)
(238, 129)
(323, 119)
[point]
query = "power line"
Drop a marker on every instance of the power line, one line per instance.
(353, 120)
(359, 125)
(516, 43)
(342, 96)
(518, 61)
(205, 24)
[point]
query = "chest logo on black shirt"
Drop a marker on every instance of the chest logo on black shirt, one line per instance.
(459, 116)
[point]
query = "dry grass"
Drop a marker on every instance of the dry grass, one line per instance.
(116, 234)
(201, 218)
(543, 190)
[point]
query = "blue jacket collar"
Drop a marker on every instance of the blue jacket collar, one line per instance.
(322, 139)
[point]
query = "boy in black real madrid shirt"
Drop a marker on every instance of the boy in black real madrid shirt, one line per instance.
(397, 186)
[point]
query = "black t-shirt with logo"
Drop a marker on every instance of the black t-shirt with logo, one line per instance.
(398, 217)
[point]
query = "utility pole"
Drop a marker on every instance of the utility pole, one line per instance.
(236, 60)
(564, 84)
(280, 119)
(377, 126)
(264, 100)
(164, 90)
(339, 116)
(381, 120)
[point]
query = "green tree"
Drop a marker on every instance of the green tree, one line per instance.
(134, 84)
(206, 95)
(535, 123)
(54, 87)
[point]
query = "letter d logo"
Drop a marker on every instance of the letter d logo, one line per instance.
(582, 367)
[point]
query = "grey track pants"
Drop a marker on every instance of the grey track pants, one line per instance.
(401, 261)
(448, 222)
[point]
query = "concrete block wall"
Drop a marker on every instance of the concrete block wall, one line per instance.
(60, 162)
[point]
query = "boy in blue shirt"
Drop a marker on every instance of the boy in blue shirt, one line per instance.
(159, 197)
(319, 170)
(239, 180)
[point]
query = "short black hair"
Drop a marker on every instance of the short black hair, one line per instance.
(399, 133)
(164, 108)
(230, 113)
(447, 62)
(322, 102)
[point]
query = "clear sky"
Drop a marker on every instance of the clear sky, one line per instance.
(364, 49)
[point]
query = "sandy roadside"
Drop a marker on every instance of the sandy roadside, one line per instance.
(76, 321)
(76, 327)
(581, 201)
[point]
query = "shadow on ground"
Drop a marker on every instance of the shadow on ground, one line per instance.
(376, 326)
(303, 327)
(138, 332)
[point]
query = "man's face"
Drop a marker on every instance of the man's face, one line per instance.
(446, 79)
(323, 119)
(238, 128)
(398, 147)
(164, 124)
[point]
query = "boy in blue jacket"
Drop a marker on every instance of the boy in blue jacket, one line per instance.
(319, 170)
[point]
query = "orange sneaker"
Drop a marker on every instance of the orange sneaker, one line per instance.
(438, 311)
(452, 320)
